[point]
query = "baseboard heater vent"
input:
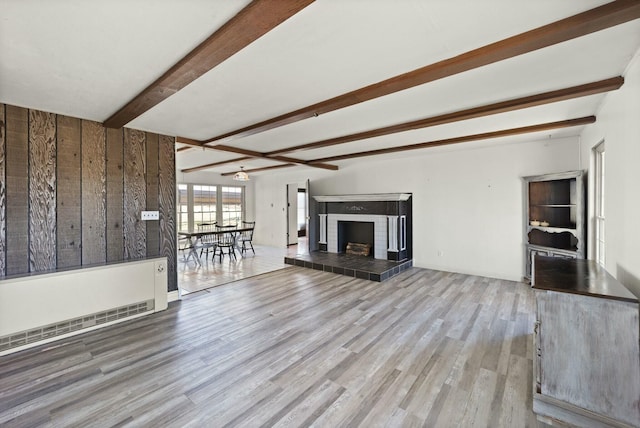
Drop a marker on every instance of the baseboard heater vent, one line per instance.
(41, 308)
(62, 328)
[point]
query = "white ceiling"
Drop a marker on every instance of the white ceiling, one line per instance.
(88, 58)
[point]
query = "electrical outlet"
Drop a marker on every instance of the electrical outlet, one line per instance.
(149, 215)
(440, 253)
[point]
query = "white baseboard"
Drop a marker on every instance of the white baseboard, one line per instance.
(173, 296)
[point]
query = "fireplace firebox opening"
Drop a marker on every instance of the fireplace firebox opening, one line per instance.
(361, 232)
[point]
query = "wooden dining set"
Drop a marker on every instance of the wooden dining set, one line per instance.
(215, 239)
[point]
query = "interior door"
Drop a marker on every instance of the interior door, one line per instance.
(292, 214)
(306, 211)
(312, 219)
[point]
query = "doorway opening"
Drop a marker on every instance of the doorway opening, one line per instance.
(298, 217)
(302, 213)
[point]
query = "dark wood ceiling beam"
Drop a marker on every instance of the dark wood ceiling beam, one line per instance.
(198, 144)
(463, 139)
(466, 138)
(248, 154)
(251, 23)
(190, 142)
(278, 158)
(472, 113)
(194, 144)
(265, 168)
(211, 165)
(599, 18)
(592, 88)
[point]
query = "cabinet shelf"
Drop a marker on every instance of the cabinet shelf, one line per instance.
(557, 200)
(552, 251)
(561, 239)
(554, 229)
(554, 205)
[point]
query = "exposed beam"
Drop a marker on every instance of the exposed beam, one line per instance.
(265, 168)
(587, 89)
(190, 142)
(486, 110)
(224, 162)
(211, 165)
(599, 18)
(251, 23)
(463, 139)
(278, 158)
(466, 138)
(193, 144)
(249, 154)
(592, 88)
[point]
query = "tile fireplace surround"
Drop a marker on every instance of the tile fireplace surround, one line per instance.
(391, 216)
(379, 232)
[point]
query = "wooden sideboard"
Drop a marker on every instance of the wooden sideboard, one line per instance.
(586, 346)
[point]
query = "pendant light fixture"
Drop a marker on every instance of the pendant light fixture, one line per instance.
(241, 175)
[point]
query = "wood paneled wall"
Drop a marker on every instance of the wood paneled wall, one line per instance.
(94, 192)
(17, 190)
(42, 191)
(71, 193)
(3, 192)
(167, 203)
(135, 194)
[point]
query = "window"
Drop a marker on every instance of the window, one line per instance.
(204, 204)
(199, 203)
(599, 202)
(183, 207)
(231, 205)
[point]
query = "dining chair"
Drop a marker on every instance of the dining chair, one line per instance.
(246, 237)
(207, 242)
(206, 226)
(184, 244)
(225, 239)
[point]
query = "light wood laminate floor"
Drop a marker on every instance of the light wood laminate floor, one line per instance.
(295, 347)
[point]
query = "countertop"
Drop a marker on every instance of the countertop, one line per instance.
(578, 276)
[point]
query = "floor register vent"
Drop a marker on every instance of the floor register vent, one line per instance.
(52, 330)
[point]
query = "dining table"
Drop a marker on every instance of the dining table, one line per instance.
(196, 235)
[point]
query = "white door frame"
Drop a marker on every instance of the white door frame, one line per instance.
(292, 214)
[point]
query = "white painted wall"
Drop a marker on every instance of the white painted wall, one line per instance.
(270, 196)
(467, 200)
(618, 124)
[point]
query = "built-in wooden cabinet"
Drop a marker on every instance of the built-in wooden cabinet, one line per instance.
(586, 362)
(554, 219)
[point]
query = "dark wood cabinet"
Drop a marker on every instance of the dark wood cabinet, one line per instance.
(586, 362)
(554, 219)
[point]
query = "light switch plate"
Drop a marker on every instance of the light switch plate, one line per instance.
(150, 215)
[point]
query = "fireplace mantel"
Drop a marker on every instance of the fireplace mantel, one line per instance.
(375, 197)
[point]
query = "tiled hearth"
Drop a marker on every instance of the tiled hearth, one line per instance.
(350, 265)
